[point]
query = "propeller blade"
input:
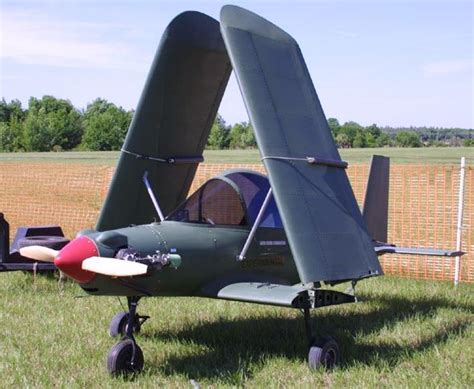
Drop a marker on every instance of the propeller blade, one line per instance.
(39, 253)
(114, 267)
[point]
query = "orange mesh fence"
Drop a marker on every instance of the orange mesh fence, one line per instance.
(422, 212)
(69, 195)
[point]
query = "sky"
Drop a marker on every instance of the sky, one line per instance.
(395, 63)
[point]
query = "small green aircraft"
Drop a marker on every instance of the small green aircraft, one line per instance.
(241, 236)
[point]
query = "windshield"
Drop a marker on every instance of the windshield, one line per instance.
(253, 188)
(216, 202)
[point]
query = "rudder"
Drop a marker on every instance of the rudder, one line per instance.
(375, 210)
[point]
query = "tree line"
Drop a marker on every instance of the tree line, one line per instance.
(52, 124)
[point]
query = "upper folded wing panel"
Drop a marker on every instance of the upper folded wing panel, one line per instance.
(175, 113)
(325, 229)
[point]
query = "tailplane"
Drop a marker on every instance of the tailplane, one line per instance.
(375, 210)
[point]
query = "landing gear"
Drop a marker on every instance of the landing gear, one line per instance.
(119, 323)
(126, 357)
(323, 353)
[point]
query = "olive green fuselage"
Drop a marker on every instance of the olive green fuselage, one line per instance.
(208, 259)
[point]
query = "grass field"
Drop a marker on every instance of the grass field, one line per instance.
(446, 155)
(404, 333)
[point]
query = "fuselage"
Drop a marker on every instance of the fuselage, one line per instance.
(209, 258)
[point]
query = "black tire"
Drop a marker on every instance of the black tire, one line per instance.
(119, 360)
(53, 242)
(324, 354)
(119, 323)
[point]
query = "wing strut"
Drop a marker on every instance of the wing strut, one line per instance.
(313, 161)
(242, 254)
(171, 160)
(152, 196)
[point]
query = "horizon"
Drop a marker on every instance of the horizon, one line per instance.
(413, 60)
(83, 109)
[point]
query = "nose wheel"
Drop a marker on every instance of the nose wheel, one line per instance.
(126, 357)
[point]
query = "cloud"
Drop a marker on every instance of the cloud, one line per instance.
(442, 68)
(29, 38)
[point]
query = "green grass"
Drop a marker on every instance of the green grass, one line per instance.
(404, 333)
(432, 155)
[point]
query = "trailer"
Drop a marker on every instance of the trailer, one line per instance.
(10, 258)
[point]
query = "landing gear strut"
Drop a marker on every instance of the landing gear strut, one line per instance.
(126, 357)
(322, 353)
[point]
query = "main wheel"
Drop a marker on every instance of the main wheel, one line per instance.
(119, 360)
(324, 354)
(119, 323)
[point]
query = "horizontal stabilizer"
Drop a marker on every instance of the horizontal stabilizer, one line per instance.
(380, 250)
(114, 267)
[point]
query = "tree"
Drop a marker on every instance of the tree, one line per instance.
(5, 137)
(382, 140)
(242, 137)
(350, 129)
(373, 130)
(51, 123)
(11, 125)
(343, 141)
(334, 126)
(359, 140)
(407, 139)
(11, 111)
(11, 136)
(219, 137)
(370, 140)
(105, 126)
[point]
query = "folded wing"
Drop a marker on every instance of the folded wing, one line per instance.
(172, 122)
(327, 234)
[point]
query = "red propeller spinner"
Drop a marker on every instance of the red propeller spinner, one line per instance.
(71, 256)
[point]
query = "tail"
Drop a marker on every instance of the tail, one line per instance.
(375, 213)
(375, 210)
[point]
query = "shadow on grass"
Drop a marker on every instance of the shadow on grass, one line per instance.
(234, 347)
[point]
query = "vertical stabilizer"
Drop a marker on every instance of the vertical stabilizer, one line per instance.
(376, 198)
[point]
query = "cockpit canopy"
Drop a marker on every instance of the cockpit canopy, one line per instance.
(233, 199)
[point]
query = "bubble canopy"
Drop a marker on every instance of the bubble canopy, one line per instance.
(232, 199)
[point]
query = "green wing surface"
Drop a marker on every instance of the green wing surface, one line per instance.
(172, 121)
(325, 229)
